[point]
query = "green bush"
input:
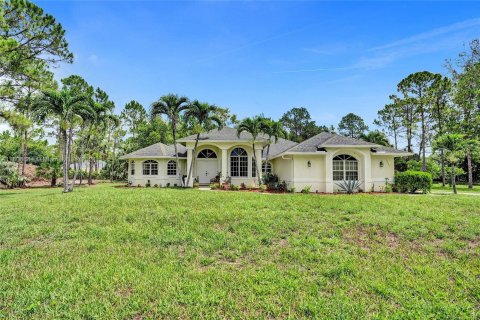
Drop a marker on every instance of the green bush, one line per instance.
(433, 167)
(411, 181)
(306, 189)
(215, 186)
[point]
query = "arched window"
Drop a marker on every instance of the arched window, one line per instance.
(239, 163)
(132, 168)
(171, 168)
(207, 154)
(150, 168)
(266, 167)
(345, 167)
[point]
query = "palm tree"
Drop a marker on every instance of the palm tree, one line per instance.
(68, 109)
(172, 106)
(51, 169)
(377, 137)
(205, 117)
(254, 127)
(274, 130)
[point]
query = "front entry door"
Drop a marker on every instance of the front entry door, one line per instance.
(206, 170)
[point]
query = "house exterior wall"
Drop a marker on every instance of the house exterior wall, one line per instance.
(223, 151)
(283, 168)
(296, 172)
(380, 173)
(373, 169)
(162, 179)
(312, 176)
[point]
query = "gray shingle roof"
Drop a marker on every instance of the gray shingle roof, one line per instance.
(313, 144)
(389, 150)
(279, 147)
(224, 134)
(157, 150)
(329, 139)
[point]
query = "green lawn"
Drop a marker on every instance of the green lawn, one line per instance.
(461, 188)
(107, 252)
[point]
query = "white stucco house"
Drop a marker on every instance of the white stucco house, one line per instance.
(319, 162)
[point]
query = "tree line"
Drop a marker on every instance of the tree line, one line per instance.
(442, 113)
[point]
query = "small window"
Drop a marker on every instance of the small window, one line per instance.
(132, 168)
(266, 167)
(207, 154)
(150, 168)
(254, 168)
(171, 168)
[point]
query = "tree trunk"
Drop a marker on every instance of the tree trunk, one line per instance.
(409, 140)
(423, 144)
(256, 165)
(442, 157)
(81, 172)
(113, 160)
(174, 131)
(454, 185)
(470, 170)
(69, 158)
(194, 151)
(395, 136)
(20, 153)
(90, 171)
(65, 161)
(25, 147)
(79, 167)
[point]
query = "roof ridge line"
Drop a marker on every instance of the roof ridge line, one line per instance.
(333, 135)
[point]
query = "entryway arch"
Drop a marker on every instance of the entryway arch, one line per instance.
(207, 165)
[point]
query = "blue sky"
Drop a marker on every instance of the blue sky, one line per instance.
(253, 57)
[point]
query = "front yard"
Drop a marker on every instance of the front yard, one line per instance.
(109, 252)
(461, 188)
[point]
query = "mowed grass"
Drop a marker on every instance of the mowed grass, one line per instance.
(461, 188)
(107, 252)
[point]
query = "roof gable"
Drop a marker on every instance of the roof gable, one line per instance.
(157, 150)
(328, 139)
(224, 134)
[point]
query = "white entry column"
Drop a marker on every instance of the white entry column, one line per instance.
(328, 173)
(224, 164)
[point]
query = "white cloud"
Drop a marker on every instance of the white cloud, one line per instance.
(467, 24)
(447, 37)
(93, 58)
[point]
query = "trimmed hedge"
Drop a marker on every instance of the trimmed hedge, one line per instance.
(411, 181)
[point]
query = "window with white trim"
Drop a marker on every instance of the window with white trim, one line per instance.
(239, 163)
(132, 168)
(345, 167)
(266, 167)
(150, 168)
(171, 168)
(254, 168)
(207, 154)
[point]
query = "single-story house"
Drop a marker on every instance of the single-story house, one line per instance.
(320, 162)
